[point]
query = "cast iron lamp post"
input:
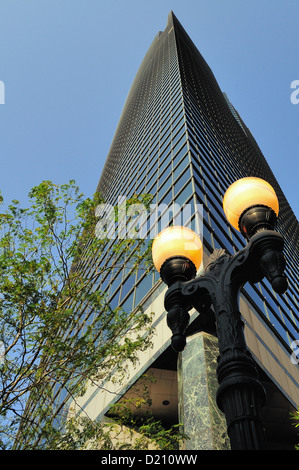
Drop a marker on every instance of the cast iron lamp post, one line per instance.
(251, 206)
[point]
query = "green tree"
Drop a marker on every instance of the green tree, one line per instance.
(57, 328)
(295, 417)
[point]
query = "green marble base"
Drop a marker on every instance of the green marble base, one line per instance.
(203, 422)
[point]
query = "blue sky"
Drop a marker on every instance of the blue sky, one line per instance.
(67, 66)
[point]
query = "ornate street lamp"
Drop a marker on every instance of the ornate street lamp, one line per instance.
(251, 206)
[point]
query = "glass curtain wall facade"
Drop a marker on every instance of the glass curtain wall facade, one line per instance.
(181, 140)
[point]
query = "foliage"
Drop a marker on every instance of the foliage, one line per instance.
(53, 267)
(85, 434)
(295, 417)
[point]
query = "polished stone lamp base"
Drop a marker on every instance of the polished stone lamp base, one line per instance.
(203, 422)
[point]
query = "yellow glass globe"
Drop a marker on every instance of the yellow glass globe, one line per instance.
(177, 241)
(245, 193)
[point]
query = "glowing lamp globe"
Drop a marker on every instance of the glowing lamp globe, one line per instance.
(180, 245)
(254, 198)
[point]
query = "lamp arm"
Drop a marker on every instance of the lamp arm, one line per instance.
(220, 285)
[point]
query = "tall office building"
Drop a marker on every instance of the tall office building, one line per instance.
(180, 139)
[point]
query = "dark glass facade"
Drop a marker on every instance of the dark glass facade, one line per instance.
(181, 140)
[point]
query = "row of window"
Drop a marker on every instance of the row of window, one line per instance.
(150, 129)
(164, 179)
(292, 267)
(214, 234)
(287, 323)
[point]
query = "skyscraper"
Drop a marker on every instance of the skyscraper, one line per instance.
(180, 139)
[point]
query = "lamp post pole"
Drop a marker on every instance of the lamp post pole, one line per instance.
(240, 394)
